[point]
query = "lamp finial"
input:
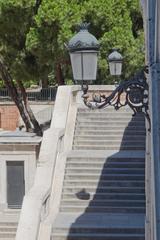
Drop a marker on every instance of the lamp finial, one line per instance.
(83, 26)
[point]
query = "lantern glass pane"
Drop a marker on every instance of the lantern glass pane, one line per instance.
(76, 65)
(90, 65)
(115, 68)
(84, 65)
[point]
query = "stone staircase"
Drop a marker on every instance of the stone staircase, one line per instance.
(113, 185)
(103, 194)
(8, 230)
(108, 129)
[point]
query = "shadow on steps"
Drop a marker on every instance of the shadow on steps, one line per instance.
(115, 209)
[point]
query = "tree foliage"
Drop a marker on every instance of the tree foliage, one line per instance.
(16, 18)
(33, 34)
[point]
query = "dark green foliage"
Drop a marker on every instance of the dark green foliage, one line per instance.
(33, 33)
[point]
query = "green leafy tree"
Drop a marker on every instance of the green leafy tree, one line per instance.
(115, 23)
(55, 24)
(16, 17)
(33, 36)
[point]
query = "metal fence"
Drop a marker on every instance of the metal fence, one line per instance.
(44, 94)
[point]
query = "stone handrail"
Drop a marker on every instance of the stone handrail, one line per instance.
(35, 203)
(36, 200)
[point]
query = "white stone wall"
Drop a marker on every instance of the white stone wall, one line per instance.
(30, 161)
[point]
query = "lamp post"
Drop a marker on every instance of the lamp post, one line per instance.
(115, 63)
(115, 60)
(84, 48)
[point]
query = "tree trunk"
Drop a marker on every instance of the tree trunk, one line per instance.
(37, 128)
(59, 74)
(44, 82)
(37, 5)
(14, 94)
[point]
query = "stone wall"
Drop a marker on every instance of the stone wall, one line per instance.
(10, 151)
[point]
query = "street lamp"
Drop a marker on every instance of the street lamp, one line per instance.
(83, 48)
(115, 60)
(115, 63)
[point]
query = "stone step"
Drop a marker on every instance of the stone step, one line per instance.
(84, 137)
(104, 196)
(6, 238)
(110, 117)
(99, 229)
(99, 190)
(98, 223)
(99, 176)
(9, 224)
(97, 236)
(109, 142)
(104, 164)
(104, 170)
(110, 159)
(7, 235)
(107, 119)
(108, 109)
(75, 202)
(114, 128)
(108, 113)
(113, 147)
(102, 209)
(8, 229)
(127, 124)
(94, 183)
(119, 132)
(110, 123)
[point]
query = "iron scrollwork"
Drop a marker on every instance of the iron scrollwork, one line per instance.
(133, 92)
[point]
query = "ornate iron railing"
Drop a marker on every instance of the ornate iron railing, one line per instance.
(133, 92)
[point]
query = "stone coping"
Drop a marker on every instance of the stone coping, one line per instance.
(19, 141)
(19, 137)
(95, 87)
(35, 207)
